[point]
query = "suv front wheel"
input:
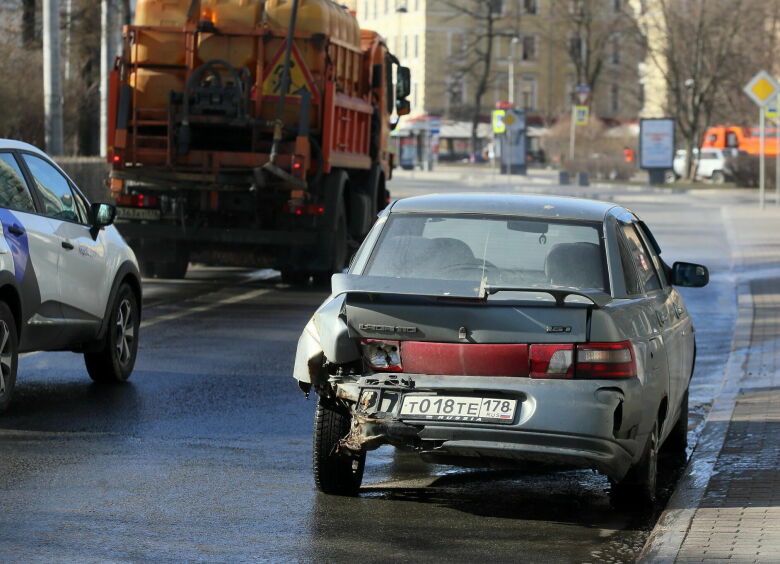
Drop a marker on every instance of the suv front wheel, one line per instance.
(9, 355)
(114, 361)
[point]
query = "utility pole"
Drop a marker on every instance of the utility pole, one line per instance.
(68, 23)
(52, 85)
(106, 56)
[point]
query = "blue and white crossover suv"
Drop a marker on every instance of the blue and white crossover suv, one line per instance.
(68, 281)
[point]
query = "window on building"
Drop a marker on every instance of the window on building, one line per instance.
(496, 6)
(618, 4)
(365, 9)
(614, 98)
(376, 8)
(530, 6)
(528, 92)
(575, 6)
(576, 48)
(456, 92)
(387, 6)
(414, 94)
(406, 46)
(529, 48)
(416, 5)
(615, 49)
(641, 96)
(416, 46)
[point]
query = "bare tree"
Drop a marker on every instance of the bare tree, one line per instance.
(587, 30)
(483, 22)
(697, 46)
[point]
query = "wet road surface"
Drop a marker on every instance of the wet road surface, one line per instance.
(204, 455)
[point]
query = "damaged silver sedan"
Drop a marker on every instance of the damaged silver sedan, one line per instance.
(487, 330)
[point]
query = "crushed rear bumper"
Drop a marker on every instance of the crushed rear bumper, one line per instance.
(593, 424)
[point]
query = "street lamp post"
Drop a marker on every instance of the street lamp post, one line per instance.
(511, 99)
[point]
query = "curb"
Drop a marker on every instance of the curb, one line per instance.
(669, 532)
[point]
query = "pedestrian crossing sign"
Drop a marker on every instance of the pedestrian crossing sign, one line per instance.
(581, 115)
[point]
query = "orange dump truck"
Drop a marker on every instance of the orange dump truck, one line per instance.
(251, 133)
(745, 139)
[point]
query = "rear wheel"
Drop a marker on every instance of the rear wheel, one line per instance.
(9, 355)
(718, 177)
(638, 487)
(339, 473)
(115, 360)
(677, 441)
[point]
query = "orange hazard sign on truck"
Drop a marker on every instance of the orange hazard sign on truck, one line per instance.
(300, 78)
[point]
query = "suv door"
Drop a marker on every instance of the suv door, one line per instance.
(32, 253)
(83, 269)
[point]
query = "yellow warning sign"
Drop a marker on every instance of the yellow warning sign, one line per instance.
(300, 79)
(499, 125)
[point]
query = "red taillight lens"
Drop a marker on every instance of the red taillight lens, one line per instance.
(551, 361)
(138, 201)
(597, 361)
(382, 356)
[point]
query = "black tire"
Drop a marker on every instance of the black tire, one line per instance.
(335, 473)
(115, 360)
(9, 355)
(339, 250)
(677, 441)
(718, 177)
(638, 487)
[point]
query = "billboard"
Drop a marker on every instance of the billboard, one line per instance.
(656, 143)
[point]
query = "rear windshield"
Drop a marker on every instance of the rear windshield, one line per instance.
(505, 250)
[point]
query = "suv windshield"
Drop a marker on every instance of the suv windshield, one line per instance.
(506, 250)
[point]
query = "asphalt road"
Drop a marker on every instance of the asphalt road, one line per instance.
(204, 455)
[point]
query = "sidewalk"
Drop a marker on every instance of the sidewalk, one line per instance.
(727, 506)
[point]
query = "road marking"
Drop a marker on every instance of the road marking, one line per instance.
(205, 307)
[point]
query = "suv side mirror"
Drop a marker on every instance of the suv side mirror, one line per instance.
(690, 275)
(403, 82)
(103, 215)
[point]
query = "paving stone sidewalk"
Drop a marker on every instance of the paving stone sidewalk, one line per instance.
(738, 518)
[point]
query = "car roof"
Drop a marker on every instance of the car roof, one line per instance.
(19, 145)
(508, 204)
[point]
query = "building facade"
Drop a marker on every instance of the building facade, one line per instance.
(534, 45)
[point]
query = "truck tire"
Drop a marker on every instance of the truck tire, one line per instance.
(339, 251)
(114, 361)
(9, 355)
(335, 473)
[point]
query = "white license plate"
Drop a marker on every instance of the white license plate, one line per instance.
(458, 408)
(138, 213)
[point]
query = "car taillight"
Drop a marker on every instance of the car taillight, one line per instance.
(551, 361)
(382, 356)
(596, 361)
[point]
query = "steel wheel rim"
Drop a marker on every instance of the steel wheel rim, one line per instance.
(6, 356)
(125, 331)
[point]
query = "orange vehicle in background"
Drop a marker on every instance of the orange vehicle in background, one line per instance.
(251, 133)
(745, 139)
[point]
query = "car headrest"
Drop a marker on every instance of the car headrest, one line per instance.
(453, 251)
(577, 265)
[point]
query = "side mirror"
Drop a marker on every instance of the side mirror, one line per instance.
(402, 107)
(403, 82)
(690, 275)
(103, 215)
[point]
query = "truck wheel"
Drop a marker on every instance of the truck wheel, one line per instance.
(638, 487)
(114, 362)
(334, 472)
(677, 441)
(718, 177)
(339, 250)
(9, 356)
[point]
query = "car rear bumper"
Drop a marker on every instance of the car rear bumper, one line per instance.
(563, 423)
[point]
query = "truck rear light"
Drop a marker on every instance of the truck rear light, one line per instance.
(138, 201)
(551, 361)
(596, 361)
(382, 356)
(304, 209)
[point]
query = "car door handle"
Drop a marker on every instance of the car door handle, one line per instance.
(15, 230)
(67, 245)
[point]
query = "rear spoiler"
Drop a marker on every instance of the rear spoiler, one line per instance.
(459, 289)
